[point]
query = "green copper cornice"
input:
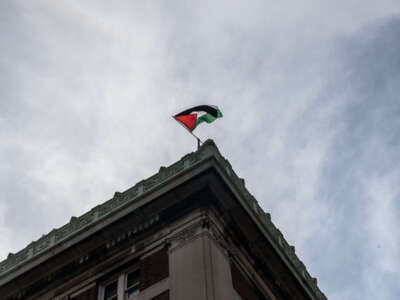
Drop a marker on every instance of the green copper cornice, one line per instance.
(100, 213)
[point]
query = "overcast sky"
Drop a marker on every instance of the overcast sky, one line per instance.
(310, 92)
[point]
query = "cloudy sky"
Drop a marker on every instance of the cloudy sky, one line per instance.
(310, 96)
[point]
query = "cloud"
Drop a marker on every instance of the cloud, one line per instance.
(309, 93)
(357, 179)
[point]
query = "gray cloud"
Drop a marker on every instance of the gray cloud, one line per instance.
(309, 93)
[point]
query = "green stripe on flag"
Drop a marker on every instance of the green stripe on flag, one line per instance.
(208, 118)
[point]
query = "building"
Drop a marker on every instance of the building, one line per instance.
(191, 231)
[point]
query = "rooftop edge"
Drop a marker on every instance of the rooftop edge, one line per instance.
(100, 212)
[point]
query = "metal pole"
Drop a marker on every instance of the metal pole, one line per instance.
(199, 141)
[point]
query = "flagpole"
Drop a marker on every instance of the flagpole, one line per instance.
(199, 141)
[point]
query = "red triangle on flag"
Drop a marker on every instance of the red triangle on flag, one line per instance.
(189, 121)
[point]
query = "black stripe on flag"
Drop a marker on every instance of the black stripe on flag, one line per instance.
(207, 108)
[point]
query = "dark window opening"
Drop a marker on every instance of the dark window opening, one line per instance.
(132, 284)
(111, 291)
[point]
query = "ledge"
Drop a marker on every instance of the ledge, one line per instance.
(102, 212)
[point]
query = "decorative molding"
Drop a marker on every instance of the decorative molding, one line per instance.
(182, 237)
(100, 212)
(135, 230)
(103, 211)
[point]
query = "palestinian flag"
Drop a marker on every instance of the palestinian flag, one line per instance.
(192, 117)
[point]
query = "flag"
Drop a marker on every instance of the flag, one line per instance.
(192, 117)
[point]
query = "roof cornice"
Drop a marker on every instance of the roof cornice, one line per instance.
(124, 203)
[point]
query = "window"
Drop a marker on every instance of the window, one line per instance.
(123, 287)
(128, 284)
(111, 291)
(132, 284)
